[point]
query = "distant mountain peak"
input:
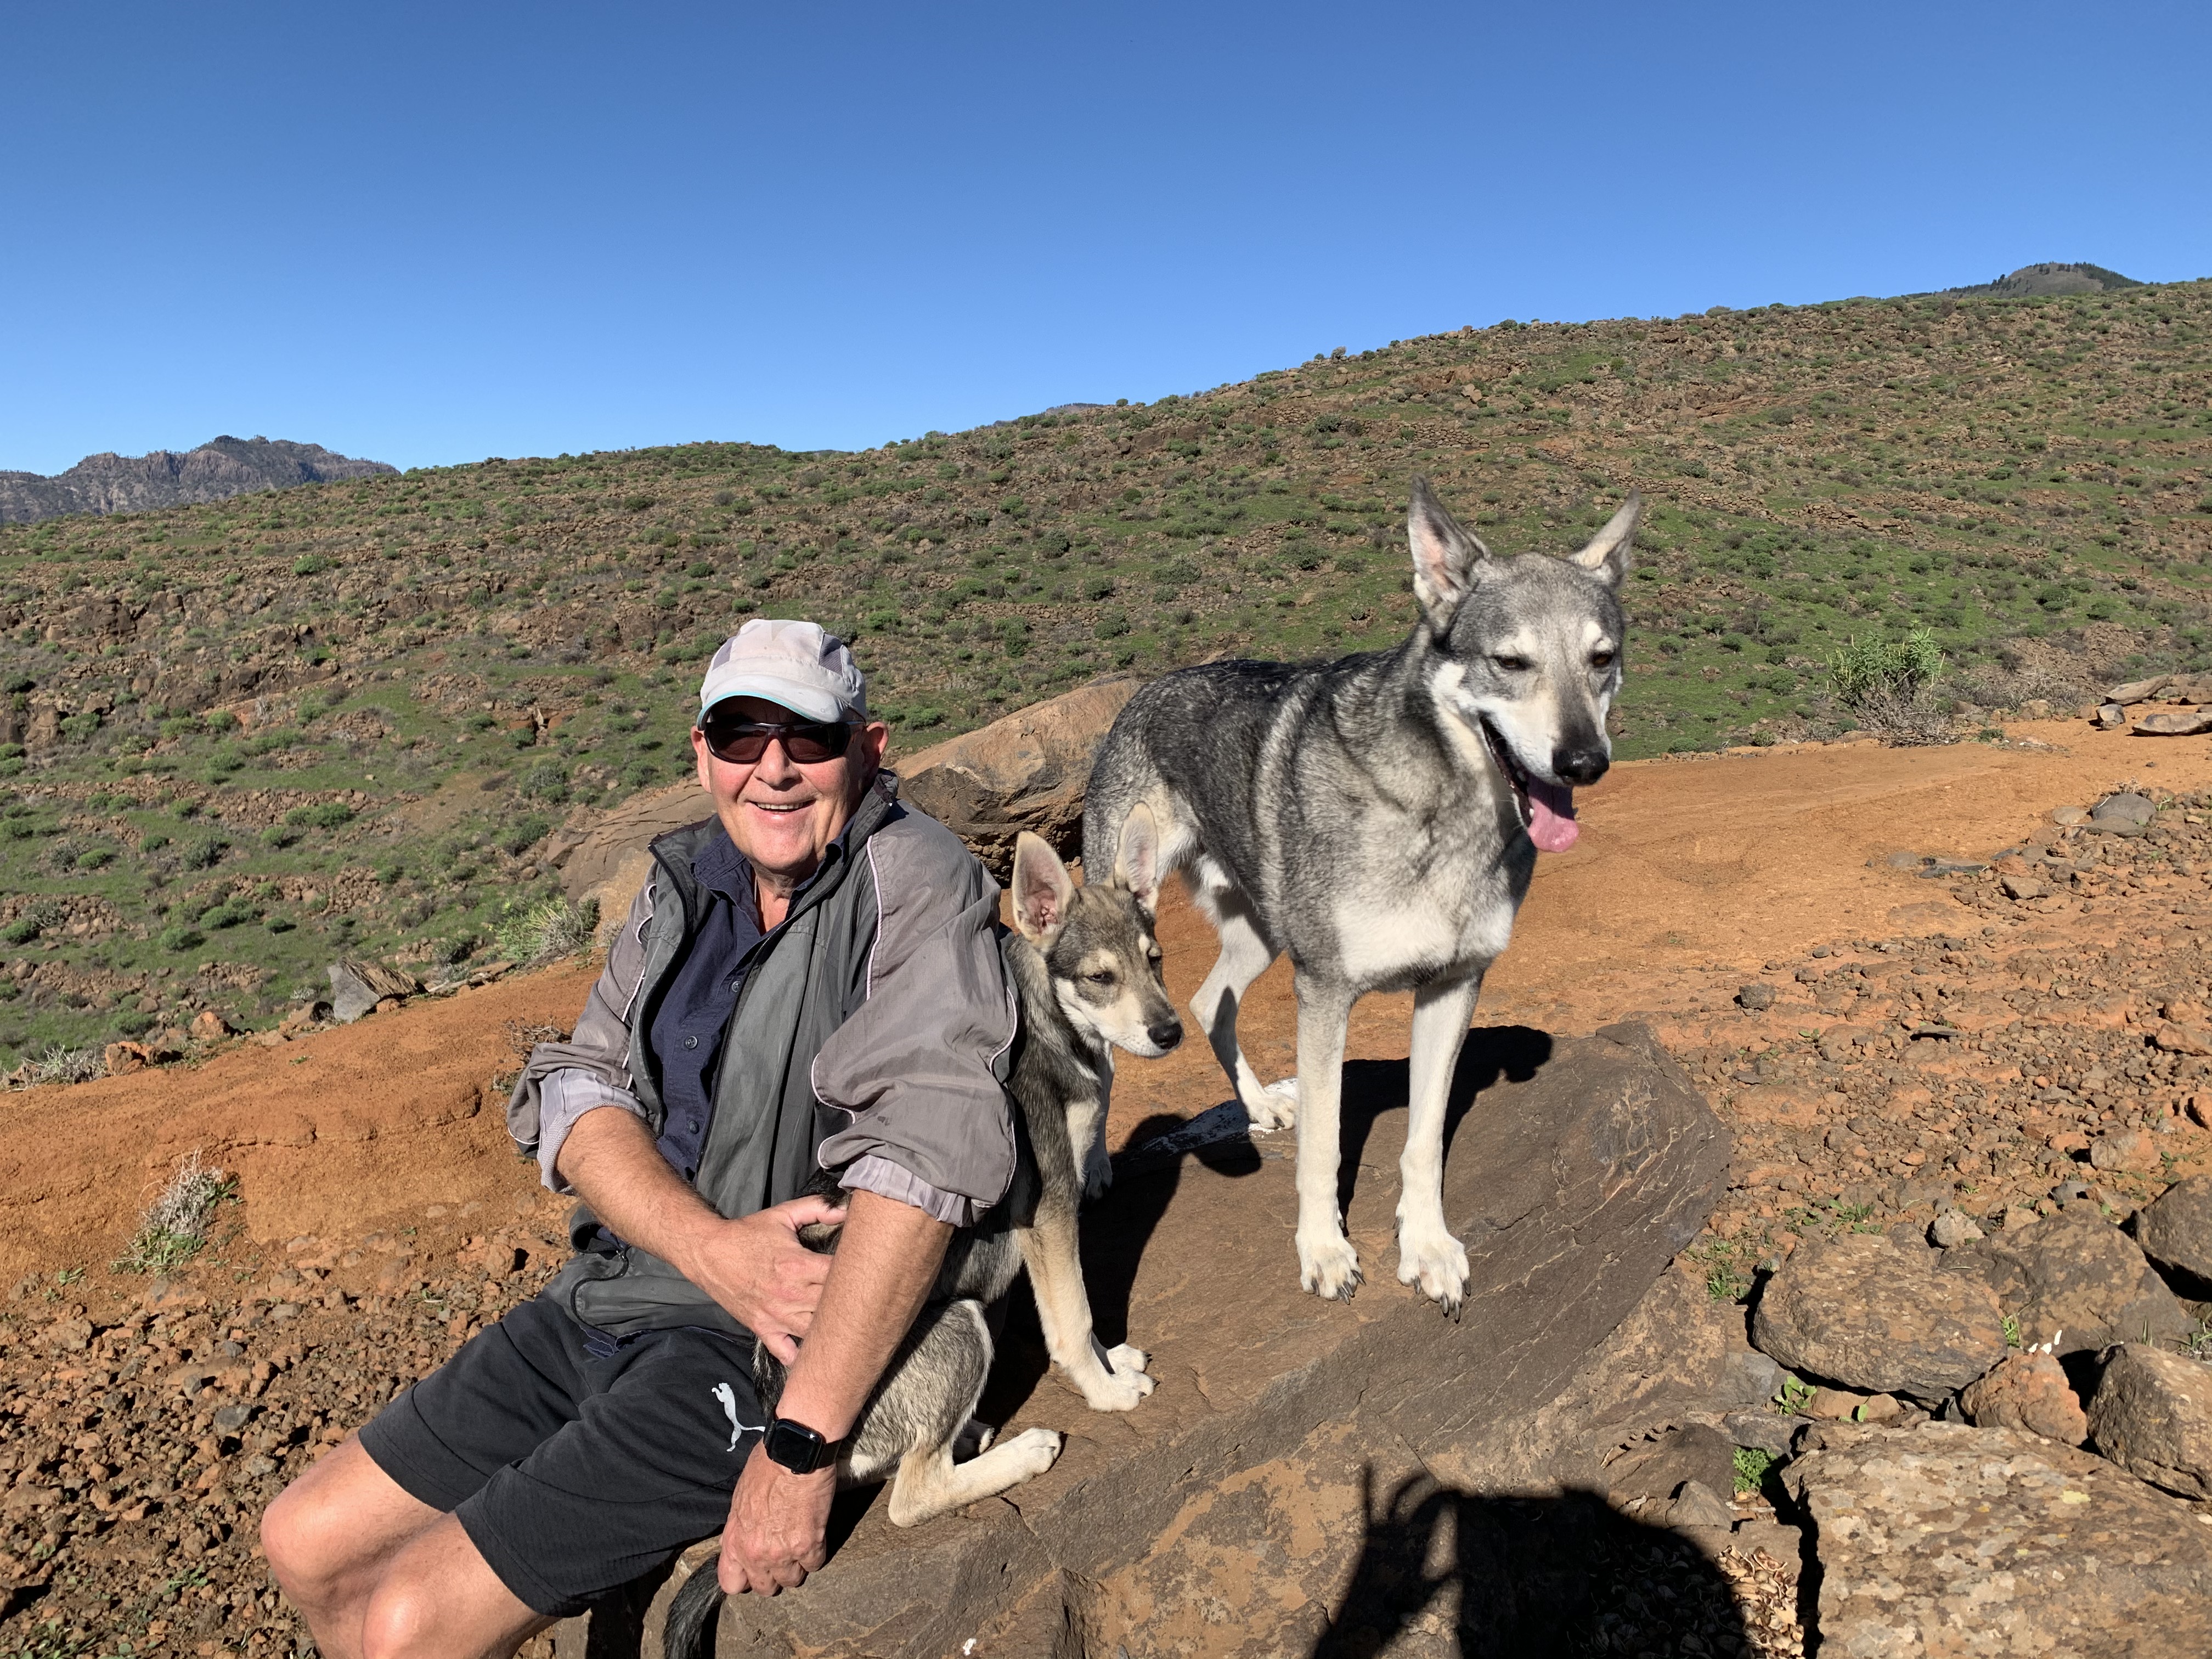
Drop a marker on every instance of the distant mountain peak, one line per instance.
(219, 468)
(2048, 279)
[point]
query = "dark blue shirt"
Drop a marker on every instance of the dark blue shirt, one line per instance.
(687, 1030)
(694, 1017)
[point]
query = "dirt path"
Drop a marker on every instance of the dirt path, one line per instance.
(1689, 873)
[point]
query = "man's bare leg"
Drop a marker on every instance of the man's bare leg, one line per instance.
(380, 1575)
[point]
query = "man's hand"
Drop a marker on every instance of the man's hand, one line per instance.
(779, 1526)
(757, 1269)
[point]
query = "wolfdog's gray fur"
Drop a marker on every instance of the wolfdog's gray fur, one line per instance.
(1373, 818)
(1086, 972)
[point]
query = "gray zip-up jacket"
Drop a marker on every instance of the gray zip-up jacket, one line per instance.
(872, 1030)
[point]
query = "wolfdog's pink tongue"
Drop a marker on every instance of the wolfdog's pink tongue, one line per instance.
(1551, 823)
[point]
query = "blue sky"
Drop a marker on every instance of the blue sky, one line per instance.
(432, 234)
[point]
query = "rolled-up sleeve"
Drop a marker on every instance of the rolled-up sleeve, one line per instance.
(918, 1067)
(562, 1097)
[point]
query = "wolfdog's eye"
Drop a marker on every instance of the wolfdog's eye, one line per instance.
(1103, 977)
(1600, 659)
(1511, 665)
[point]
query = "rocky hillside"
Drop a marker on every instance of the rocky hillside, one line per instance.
(2052, 279)
(142, 484)
(239, 739)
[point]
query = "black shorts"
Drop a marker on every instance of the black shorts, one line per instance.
(576, 1463)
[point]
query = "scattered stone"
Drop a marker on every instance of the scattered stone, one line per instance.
(1952, 1229)
(1748, 1378)
(2023, 888)
(2123, 1151)
(1858, 1312)
(2027, 1391)
(1755, 997)
(1658, 1470)
(1941, 1538)
(2139, 690)
(208, 1026)
(2076, 1278)
(1697, 1505)
(2175, 1231)
(2152, 1415)
(2125, 808)
(2109, 717)
(1766, 1432)
(2175, 1039)
(2070, 1192)
(304, 1017)
(2176, 723)
(356, 988)
(123, 1058)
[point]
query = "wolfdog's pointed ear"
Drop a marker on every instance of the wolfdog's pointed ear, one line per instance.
(1137, 863)
(1445, 557)
(1042, 889)
(1606, 555)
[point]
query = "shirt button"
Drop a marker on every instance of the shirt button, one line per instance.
(692, 1124)
(691, 1042)
(736, 985)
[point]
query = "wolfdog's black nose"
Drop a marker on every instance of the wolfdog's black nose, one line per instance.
(1165, 1033)
(1579, 767)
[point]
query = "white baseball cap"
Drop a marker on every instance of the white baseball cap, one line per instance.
(791, 663)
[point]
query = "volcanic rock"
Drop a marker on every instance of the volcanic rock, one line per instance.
(1941, 1538)
(2175, 1231)
(2152, 1415)
(1858, 1312)
(1027, 771)
(2074, 1277)
(2027, 1391)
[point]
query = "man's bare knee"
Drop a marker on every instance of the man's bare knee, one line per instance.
(438, 1596)
(327, 1531)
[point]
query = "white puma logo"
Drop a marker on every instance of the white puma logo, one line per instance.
(728, 1396)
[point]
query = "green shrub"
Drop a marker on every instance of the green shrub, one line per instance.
(543, 931)
(1870, 667)
(204, 852)
(229, 914)
(278, 835)
(523, 833)
(313, 565)
(21, 931)
(180, 937)
(323, 815)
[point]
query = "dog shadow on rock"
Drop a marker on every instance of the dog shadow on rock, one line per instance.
(1371, 1087)
(1445, 1571)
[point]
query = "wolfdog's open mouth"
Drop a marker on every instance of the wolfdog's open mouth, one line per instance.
(1547, 810)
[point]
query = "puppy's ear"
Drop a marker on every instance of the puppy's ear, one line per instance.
(1606, 555)
(1444, 558)
(1137, 863)
(1042, 889)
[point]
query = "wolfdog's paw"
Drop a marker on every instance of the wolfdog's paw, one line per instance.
(1328, 1266)
(1435, 1263)
(1098, 1172)
(1277, 1107)
(1031, 1452)
(1119, 1389)
(973, 1441)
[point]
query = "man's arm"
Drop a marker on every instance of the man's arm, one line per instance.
(887, 1259)
(755, 1268)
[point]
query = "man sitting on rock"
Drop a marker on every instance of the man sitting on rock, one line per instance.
(810, 976)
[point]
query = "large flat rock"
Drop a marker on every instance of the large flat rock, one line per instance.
(1250, 1484)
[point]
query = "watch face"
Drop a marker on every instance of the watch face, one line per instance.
(794, 1446)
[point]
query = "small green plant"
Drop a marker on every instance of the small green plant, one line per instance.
(546, 931)
(174, 1227)
(1793, 1396)
(323, 815)
(1753, 1466)
(2012, 1330)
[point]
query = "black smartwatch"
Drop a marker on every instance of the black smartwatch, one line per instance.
(798, 1448)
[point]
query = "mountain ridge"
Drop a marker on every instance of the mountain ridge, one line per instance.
(215, 470)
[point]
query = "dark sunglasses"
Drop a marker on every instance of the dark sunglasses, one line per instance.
(742, 741)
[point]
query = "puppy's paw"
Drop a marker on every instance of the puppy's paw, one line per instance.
(1098, 1172)
(1119, 1389)
(1435, 1263)
(1328, 1266)
(1031, 1452)
(1276, 1106)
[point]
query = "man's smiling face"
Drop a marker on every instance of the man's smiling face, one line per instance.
(783, 816)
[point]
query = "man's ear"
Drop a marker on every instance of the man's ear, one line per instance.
(1444, 558)
(1137, 863)
(1606, 555)
(1042, 889)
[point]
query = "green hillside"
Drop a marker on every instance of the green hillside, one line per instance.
(241, 738)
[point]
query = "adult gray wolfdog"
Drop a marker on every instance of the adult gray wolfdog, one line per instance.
(1378, 818)
(1086, 974)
